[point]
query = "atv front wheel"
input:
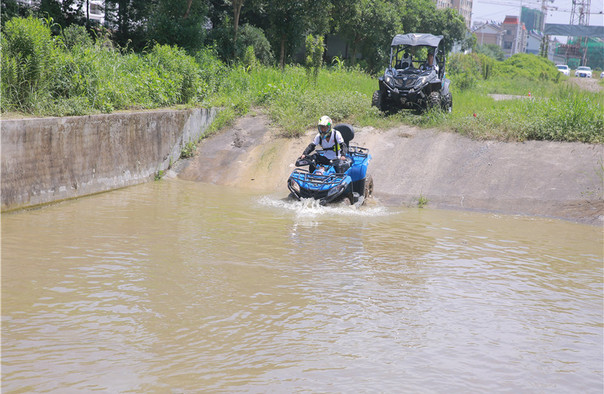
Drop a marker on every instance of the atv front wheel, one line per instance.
(368, 192)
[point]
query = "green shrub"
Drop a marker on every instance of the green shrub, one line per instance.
(178, 72)
(487, 66)
(76, 35)
(249, 59)
(314, 55)
(491, 50)
(566, 115)
(464, 70)
(211, 70)
(251, 36)
(531, 67)
(27, 62)
(188, 150)
(459, 63)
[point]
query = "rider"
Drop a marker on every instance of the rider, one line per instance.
(430, 63)
(332, 143)
(406, 61)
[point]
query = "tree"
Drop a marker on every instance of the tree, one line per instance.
(417, 16)
(314, 56)
(178, 22)
(128, 18)
(286, 25)
(237, 4)
(250, 36)
(451, 25)
(64, 12)
(491, 50)
(369, 26)
(11, 9)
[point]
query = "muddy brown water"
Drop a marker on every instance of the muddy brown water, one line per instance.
(182, 287)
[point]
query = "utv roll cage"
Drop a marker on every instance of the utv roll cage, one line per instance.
(401, 44)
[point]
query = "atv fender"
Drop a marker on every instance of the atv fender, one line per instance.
(445, 88)
(385, 88)
(436, 85)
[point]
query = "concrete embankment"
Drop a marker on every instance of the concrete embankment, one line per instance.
(51, 159)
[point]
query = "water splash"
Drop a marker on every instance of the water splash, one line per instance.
(309, 207)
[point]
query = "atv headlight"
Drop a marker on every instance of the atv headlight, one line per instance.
(335, 190)
(388, 80)
(295, 186)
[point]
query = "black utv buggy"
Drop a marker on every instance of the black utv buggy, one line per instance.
(407, 83)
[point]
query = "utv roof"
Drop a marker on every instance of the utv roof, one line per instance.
(416, 39)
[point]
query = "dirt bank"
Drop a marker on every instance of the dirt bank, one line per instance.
(561, 180)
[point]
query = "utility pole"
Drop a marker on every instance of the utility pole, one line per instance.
(580, 16)
(518, 29)
(545, 39)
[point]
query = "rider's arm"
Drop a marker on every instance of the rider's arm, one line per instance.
(309, 149)
(343, 148)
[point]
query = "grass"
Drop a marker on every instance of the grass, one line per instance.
(42, 76)
(555, 110)
(422, 201)
(293, 101)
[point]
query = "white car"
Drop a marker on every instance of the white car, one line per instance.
(583, 72)
(564, 69)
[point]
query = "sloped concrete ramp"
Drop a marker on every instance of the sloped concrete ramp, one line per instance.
(551, 179)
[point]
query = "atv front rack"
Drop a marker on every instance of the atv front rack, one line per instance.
(322, 187)
(317, 180)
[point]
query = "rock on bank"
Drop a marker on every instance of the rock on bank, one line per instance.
(551, 179)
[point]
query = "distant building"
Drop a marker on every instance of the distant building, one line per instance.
(515, 36)
(96, 8)
(464, 7)
(532, 19)
(533, 42)
(489, 33)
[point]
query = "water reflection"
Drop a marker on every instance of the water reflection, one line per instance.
(185, 287)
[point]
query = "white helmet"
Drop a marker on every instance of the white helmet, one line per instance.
(324, 121)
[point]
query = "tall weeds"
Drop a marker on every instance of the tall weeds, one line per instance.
(554, 113)
(72, 75)
(27, 63)
(43, 75)
(293, 100)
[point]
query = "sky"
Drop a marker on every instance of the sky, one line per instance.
(560, 10)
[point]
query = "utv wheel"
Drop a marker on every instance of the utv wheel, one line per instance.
(447, 104)
(377, 100)
(434, 100)
(368, 192)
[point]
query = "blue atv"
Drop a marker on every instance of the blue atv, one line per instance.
(327, 185)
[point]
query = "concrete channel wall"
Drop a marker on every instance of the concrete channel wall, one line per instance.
(50, 159)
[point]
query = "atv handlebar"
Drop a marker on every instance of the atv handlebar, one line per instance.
(308, 160)
(300, 162)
